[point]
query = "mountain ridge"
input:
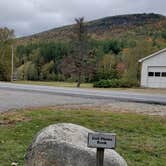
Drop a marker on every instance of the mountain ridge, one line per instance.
(98, 27)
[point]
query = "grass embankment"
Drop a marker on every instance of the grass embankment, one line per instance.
(141, 140)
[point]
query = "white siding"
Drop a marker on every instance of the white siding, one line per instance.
(154, 64)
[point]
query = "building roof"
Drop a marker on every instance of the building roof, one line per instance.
(152, 55)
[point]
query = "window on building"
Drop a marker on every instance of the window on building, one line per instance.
(157, 74)
(151, 74)
(163, 74)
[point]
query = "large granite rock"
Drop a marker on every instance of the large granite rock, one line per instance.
(66, 145)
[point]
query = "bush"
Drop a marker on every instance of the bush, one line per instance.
(163, 34)
(125, 83)
(116, 83)
(106, 83)
(4, 76)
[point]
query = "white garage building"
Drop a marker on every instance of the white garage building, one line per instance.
(153, 74)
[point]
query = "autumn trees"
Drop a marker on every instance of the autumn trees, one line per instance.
(84, 58)
(6, 40)
(41, 61)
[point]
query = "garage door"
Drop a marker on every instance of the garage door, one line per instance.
(156, 77)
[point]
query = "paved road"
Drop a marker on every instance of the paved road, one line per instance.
(87, 94)
(13, 99)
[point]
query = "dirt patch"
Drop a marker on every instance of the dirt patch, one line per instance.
(12, 117)
(146, 109)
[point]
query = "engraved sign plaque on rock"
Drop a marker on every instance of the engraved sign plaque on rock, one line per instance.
(102, 140)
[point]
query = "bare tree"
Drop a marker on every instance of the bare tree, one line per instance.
(80, 51)
(81, 62)
(80, 48)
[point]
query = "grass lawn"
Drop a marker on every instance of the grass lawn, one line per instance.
(141, 139)
(57, 84)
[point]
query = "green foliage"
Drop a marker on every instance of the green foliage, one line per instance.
(6, 36)
(27, 71)
(32, 73)
(47, 71)
(107, 67)
(128, 83)
(163, 34)
(45, 58)
(3, 73)
(106, 84)
(20, 72)
(53, 51)
(111, 46)
(48, 50)
(5, 58)
(116, 83)
(99, 65)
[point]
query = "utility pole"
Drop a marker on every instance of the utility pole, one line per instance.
(12, 63)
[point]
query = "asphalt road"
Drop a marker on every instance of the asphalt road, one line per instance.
(14, 99)
(85, 94)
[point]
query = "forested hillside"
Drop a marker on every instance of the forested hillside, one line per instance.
(115, 44)
(106, 28)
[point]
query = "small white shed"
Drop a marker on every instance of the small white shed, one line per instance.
(153, 73)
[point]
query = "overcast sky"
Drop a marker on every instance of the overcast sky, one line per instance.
(31, 16)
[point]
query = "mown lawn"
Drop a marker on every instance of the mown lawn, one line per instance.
(55, 83)
(141, 139)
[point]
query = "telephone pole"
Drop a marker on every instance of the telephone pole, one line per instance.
(12, 64)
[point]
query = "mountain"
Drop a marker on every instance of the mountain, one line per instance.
(107, 28)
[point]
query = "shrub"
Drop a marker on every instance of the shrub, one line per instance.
(107, 83)
(125, 83)
(163, 34)
(116, 83)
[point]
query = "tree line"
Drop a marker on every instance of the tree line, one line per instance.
(82, 59)
(105, 62)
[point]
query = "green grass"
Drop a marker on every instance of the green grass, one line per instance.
(57, 84)
(141, 139)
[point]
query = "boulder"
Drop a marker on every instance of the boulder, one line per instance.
(66, 145)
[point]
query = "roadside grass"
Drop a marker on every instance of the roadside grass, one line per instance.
(141, 139)
(90, 85)
(57, 84)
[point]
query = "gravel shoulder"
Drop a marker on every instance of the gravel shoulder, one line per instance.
(123, 107)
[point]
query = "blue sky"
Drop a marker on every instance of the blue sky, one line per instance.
(31, 16)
